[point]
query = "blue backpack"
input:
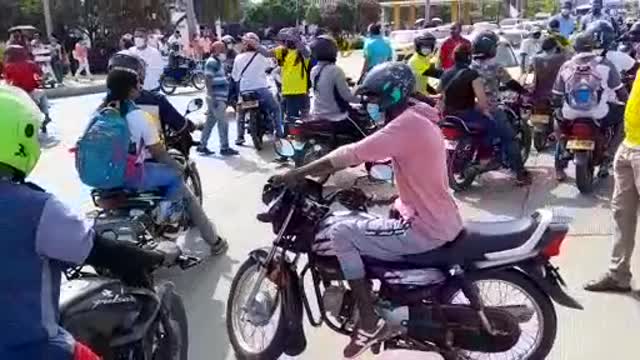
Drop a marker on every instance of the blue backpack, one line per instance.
(103, 156)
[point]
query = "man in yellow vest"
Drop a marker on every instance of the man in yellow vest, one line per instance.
(422, 64)
(625, 201)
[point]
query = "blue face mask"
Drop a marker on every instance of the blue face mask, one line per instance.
(374, 112)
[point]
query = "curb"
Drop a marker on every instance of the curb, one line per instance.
(63, 92)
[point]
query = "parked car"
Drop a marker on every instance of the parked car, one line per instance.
(510, 23)
(402, 43)
(514, 36)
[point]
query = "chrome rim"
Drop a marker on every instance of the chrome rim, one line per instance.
(251, 337)
(494, 292)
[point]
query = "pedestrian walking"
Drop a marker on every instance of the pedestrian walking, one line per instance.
(217, 96)
(448, 47)
(151, 57)
(377, 49)
(81, 55)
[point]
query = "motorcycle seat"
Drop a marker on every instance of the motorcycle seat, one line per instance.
(459, 123)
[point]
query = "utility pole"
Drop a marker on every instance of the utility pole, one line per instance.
(46, 5)
(427, 11)
(191, 18)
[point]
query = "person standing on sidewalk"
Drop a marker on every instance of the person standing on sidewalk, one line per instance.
(81, 55)
(151, 57)
(625, 201)
(217, 96)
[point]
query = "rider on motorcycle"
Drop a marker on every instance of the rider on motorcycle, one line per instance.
(605, 85)
(422, 63)
(159, 169)
(485, 46)
(41, 238)
(545, 67)
(429, 217)
(250, 72)
(331, 93)
(152, 102)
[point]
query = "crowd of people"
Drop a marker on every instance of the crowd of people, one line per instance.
(398, 98)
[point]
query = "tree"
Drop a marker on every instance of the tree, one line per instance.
(314, 15)
(339, 17)
(274, 14)
(369, 12)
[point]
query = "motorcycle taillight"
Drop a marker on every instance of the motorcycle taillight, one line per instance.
(295, 131)
(451, 133)
(582, 131)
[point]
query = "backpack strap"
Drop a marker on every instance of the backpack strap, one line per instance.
(317, 78)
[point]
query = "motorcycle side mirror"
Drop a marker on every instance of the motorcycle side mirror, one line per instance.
(284, 148)
(383, 172)
(194, 105)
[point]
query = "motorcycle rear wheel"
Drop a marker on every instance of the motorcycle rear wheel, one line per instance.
(539, 140)
(584, 171)
(237, 316)
(524, 139)
(167, 86)
(174, 345)
(459, 179)
(545, 313)
(255, 130)
(192, 177)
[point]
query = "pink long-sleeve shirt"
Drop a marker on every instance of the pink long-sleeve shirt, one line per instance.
(415, 144)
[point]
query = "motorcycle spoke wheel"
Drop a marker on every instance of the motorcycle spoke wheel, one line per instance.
(251, 337)
(501, 293)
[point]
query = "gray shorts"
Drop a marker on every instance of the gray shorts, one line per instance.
(380, 238)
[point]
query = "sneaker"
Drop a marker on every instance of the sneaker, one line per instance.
(361, 341)
(561, 175)
(219, 247)
(607, 283)
(240, 142)
(205, 151)
(229, 152)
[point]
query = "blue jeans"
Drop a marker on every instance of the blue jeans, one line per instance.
(270, 106)
(510, 148)
(475, 118)
(215, 116)
(296, 105)
(158, 175)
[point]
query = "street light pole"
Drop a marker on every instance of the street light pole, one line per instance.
(46, 5)
(427, 11)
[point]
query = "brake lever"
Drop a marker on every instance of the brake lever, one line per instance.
(187, 261)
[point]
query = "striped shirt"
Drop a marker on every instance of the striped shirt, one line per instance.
(218, 87)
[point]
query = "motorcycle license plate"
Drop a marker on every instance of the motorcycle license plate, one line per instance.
(249, 104)
(581, 145)
(450, 144)
(539, 119)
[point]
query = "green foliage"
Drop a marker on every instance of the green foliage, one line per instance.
(314, 15)
(340, 16)
(274, 14)
(544, 6)
(368, 12)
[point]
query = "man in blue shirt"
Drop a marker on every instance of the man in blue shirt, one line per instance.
(566, 20)
(377, 49)
(217, 96)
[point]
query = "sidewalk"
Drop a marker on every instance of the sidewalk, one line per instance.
(80, 87)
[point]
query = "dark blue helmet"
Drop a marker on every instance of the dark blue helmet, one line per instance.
(604, 36)
(391, 82)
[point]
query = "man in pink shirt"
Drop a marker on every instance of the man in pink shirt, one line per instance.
(429, 215)
(81, 54)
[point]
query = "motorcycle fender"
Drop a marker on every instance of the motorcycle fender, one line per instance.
(260, 255)
(164, 289)
(582, 158)
(293, 312)
(550, 283)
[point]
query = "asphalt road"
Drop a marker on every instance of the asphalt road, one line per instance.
(607, 328)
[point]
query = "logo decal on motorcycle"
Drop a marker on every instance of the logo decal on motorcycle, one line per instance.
(109, 298)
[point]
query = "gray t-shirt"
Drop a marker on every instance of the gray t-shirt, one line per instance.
(323, 104)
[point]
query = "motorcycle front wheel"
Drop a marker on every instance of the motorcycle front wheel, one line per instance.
(167, 85)
(256, 327)
(458, 162)
(197, 80)
(513, 292)
(171, 338)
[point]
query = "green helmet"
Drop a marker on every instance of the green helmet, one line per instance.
(19, 125)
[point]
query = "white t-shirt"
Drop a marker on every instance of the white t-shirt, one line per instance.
(622, 61)
(155, 65)
(143, 133)
(255, 77)
(530, 47)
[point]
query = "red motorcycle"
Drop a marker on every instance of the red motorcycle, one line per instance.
(585, 142)
(469, 155)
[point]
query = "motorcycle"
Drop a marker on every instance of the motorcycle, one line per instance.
(311, 140)
(586, 142)
(255, 119)
(466, 146)
(124, 213)
(134, 318)
(190, 75)
(442, 301)
(541, 121)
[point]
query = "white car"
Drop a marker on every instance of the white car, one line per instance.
(402, 43)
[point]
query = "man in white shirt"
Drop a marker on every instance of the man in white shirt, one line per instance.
(151, 57)
(250, 72)
(529, 48)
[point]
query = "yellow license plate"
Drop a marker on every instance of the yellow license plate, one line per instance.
(249, 104)
(581, 145)
(539, 119)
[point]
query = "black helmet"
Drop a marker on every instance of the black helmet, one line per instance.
(634, 32)
(228, 40)
(425, 40)
(391, 82)
(603, 34)
(583, 42)
(485, 45)
(554, 24)
(324, 48)
(125, 61)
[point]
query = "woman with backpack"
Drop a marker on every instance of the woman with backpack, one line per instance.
(148, 164)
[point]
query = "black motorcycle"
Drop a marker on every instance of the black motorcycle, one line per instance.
(312, 139)
(190, 74)
(254, 117)
(124, 213)
(487, 292)
(137, 318)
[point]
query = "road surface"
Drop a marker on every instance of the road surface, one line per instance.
(607, 329)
